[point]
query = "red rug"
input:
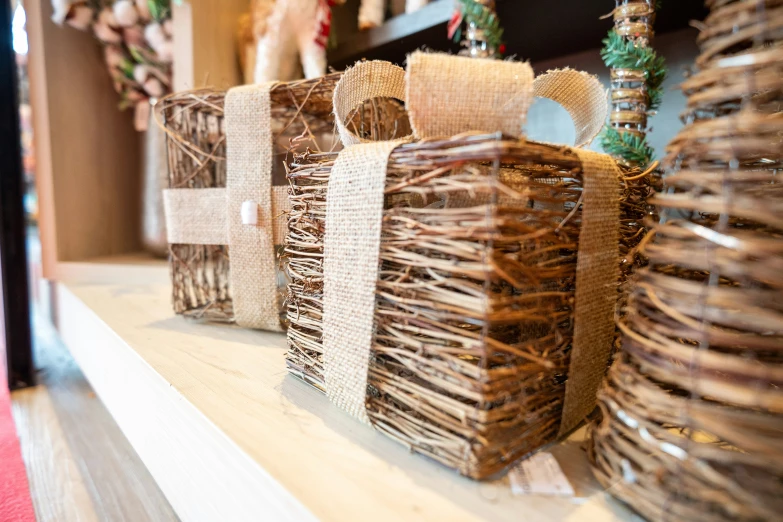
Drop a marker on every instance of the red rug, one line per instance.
(15, 502)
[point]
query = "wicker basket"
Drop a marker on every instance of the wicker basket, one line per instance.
(474, 308)
(194, 122)
(693, 408)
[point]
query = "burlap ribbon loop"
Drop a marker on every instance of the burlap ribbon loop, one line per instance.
(361, 83)
(448, 95)
(581, 94)
(445, 96)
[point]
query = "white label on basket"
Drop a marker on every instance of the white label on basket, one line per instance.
(540, 475)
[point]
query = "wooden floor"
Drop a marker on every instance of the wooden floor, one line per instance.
(79, 464)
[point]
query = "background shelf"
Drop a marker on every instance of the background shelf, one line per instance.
(534, 31)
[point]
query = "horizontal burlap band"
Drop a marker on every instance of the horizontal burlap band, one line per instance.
(200, 216)
(445, 96)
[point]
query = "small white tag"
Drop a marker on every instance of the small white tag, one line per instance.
(249, 213)
(540, 475)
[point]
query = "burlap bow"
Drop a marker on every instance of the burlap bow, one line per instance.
(246, 215)
(445, 96)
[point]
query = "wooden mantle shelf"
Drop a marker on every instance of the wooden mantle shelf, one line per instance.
(228, 435)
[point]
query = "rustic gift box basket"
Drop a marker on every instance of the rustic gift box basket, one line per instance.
(207, 139)
(693, 409)
(491, 307)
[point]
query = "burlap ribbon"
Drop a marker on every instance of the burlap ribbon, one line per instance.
(247, 215)
(448, 95)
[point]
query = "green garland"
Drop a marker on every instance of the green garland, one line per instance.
(485, 19)
(619, 53)
(630, 147)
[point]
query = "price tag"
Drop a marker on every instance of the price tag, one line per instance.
(540, 475)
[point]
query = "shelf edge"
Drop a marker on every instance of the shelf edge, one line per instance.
(203, 473)
(397, 28)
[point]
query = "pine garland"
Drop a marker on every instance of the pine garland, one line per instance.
(619, 53)
(630, 147)
(485, 19)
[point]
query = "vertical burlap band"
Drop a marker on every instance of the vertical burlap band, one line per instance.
(200, 216)
(446, 96)
(249, 178)
(354, 211)
(597, 274)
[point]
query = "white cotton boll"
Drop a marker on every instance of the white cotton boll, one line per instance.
(113, 56)
(154, 88)
(105, 33)
(61, 9)
(154, 35)
(168, 27)
(134, 35)
(79, 17)
(166, 52)
(143, 7)
(125, 13)
(140, 73)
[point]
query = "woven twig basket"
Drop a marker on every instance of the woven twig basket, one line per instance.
(474, 306)
(693, 408)
(194, 123)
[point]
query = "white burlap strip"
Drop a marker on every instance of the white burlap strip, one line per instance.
(249, 157)
(597, 276)
(581, 94)
(363, 82)
(200, 216)
(449, 95)
(354, 209)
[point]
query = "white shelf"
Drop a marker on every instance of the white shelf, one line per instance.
(228, 435)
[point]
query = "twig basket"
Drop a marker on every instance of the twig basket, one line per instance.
(474, 304)
(301, 115)
(693, 408)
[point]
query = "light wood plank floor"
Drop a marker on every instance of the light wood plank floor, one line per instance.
(79, 464)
